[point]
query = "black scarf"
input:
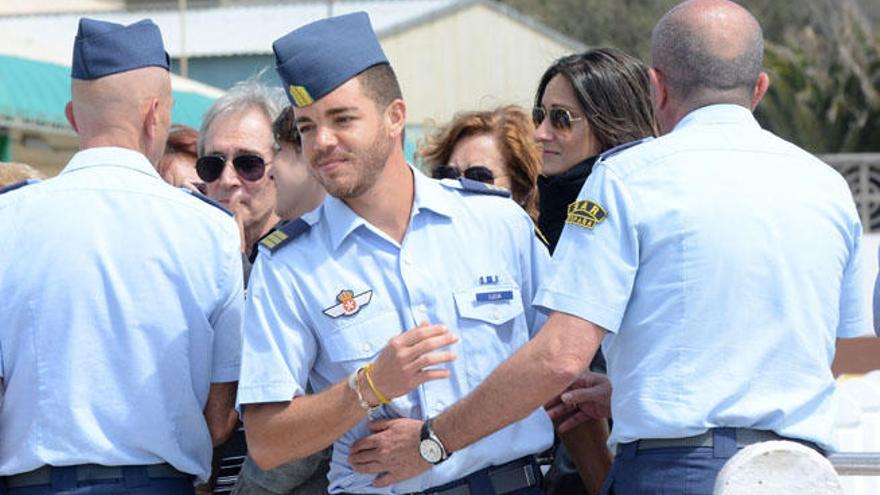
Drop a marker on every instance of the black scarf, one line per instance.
(555, 194)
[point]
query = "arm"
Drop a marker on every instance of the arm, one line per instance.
(586, 445)
(220, 412)
(534, 375)
(280, 432)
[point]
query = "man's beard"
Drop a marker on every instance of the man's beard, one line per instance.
(366, 168)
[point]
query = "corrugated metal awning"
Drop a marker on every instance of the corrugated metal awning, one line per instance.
(33, 94)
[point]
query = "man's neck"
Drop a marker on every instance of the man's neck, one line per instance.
(388, 204)
(258, 229)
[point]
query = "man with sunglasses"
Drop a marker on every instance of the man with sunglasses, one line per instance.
(359, 298)
(121, 331)
(236, 154)
(718, 262)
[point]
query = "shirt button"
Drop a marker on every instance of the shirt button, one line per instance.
(407, 261)
(439, 405)
(366, 347)
(421, 308)
(497, 315)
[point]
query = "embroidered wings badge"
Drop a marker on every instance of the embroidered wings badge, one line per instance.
(349, 304)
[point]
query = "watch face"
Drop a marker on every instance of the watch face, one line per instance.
(431, 451)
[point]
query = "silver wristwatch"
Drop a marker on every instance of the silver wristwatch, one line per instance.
(430, 447)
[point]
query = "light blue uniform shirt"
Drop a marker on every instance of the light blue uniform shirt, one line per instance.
(120, 302)
(725, 268)
(454, 238)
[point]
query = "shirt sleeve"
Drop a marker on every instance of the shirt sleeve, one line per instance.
(278, 349)
(534, 264)
(853, 308)
(597, 257)
(227, 320)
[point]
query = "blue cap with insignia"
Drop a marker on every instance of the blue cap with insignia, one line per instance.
(319, 57)
(104, 48)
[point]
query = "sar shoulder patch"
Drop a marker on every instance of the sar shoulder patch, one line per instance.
(284, 234)
(585, 213)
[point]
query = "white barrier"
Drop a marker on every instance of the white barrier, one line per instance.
(858, 426)
(778, 468)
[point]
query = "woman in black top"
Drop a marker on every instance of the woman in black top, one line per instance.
(586, 104)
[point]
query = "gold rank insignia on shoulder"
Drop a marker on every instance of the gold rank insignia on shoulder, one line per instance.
(585, 213)
(273, 239)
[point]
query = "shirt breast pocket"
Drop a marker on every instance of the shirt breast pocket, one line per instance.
(491, 325)
(353, 344)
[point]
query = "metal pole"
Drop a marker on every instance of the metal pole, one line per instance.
(856, 463)
(184, 60)
(329, 8)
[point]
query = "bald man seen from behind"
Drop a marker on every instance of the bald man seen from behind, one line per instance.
(121, 317)
(717, 264)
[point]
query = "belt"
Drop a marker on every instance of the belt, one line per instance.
(744, 437)
(89, 472)
(505, 478)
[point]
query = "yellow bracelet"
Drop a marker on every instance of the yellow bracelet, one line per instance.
(382, 399)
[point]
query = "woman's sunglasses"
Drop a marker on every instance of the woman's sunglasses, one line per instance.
(475, 172)
(560, 118)
(248, 167)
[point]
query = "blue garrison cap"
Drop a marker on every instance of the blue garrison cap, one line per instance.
(319, 57)
(104, 48)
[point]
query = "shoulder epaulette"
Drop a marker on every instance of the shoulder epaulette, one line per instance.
(625, 146)
(206, 199)
(284, 234)
(18, 185)
(476, 187)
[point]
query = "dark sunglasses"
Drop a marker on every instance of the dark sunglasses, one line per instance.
(475, 172)
(248, 167)
(560, 118)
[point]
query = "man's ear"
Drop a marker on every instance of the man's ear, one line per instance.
(152, 119)
(68, 112)
(761, 87)
(395, 117)
(659, 92)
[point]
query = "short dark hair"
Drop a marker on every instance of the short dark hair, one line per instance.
(694, 72)
(285, 131)
(380, 84)
(614, 91)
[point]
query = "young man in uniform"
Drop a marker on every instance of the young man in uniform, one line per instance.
(371, 298)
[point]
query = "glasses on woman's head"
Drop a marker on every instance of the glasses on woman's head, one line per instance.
(478, 173)
(248, 167)
(560, 118)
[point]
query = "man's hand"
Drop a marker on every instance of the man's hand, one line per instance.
(588, 397)
(392, 451)
(401, 366)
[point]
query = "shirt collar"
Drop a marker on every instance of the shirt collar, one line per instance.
(110, 157)
(718, 114)
(429, 195)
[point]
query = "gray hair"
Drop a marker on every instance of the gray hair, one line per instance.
(244, 95)
(687, 54)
